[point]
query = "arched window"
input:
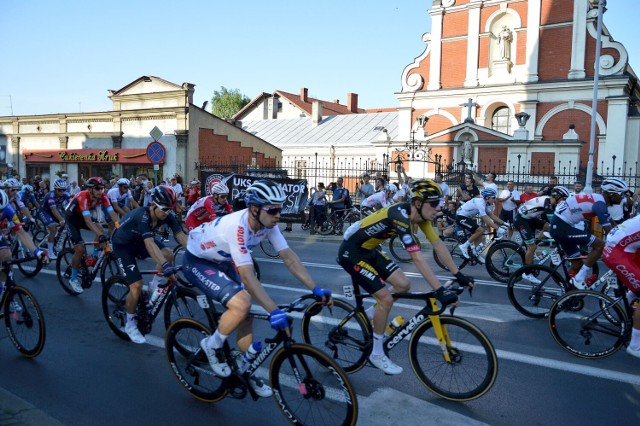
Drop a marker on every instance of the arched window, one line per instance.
(501, 120)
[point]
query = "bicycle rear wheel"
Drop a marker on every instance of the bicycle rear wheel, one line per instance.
(396, 247)
(589, 324)
(186, 305)
(326, 227)
(268, 249)
(535, 299)
(453, 246)
(321, 395)
(24, 321)
(192, 369)
(503, 259)
(472, 366)
(347, 341)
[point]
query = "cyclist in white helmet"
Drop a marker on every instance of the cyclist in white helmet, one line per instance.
(51, 211)
(209, 207)
(121, 201)
(11, 187)
(379, 200)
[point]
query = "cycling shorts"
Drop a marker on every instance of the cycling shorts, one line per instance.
(75, 223)
(126, 256)
(625, 265)
(368, 268)
(528, 228)
(569, 237)
(506, 215)
(220, 281)
(46, 218)
(467, 223)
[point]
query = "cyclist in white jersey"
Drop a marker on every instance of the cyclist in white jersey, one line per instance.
(379, 200)
(212, 250)
(622, 256)
(465, 217)
(574, 210)
(533, 216)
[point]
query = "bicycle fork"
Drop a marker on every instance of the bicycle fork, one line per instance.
(441, 334)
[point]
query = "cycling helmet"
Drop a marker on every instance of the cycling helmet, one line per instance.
(27, 188)
(195, 182)
(219, 188)
(60, 184)
(559, 192)
(263, 192)
(163, 196)
(94, 181)
(123, 182)
(12, 183)
(391, 187)
(426, 189)
(4, 200)
(614, 186)
(488, 192)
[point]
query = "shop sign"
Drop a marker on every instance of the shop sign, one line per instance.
(130, 156)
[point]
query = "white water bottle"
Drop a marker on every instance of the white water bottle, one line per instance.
(250, 355)
(555, 257)
(156, 294)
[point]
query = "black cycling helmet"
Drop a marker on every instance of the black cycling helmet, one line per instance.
(94, 181)
(426, 189)
(163, 196)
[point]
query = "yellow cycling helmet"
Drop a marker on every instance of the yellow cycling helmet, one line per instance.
(426, 189)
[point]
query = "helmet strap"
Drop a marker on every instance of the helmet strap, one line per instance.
(256, 216)
(420, 209)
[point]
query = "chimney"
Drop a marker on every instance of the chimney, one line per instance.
(316, 112)
(336, 101)
(304, 94)
(352, 102)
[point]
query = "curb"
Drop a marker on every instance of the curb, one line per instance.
(15, 410)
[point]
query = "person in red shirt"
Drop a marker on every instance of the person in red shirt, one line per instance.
(207, 208)
(193, 192)
(528, 194)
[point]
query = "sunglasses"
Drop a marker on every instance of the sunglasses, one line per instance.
(99, 188)
(436, 203)
(164, 209)
(222, 195)
(60, 189)
(273, 210)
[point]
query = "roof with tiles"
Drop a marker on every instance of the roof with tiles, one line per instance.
(328, 108)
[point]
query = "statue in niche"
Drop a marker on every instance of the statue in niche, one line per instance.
(467, 152)
(505, 37)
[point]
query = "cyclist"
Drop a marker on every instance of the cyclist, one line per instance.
(533, 216)
(213, 249)
(80, 213)
(379, 200)
(566, 231)
(50, 212)
(121, 201)
(209, 207)
(135, 240)
(27, 196)
(193, 193)
(622, 256)
(11, 187)
(466, 219)
(371, 269)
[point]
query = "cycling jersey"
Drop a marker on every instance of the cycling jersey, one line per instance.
(52, 201)
(82, 204)
(9, 220)
(16, 202)
(31, 198)
(135, 227)
(621, 253)
(379, 199)
(577, 208)
(535, 207)
(474, 207)
(230, 238)
(205, 210)
(122, 200)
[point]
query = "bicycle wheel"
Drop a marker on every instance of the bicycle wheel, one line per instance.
(63, 270)
(472, 366)
(114, 294)
(267, 248)
(24, 321)
(347, 341)
(589, 324)
(535, 299)
(109, 267)
(40, 240)
(316, 391)
(453, 246)
(326, 226)
(503, 259)
(178, 254)
(192, 369)
(256, 267)
(185, 304)
(398, 251)
(28, 269)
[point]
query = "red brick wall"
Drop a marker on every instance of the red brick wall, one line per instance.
(455, 24)
(555, 53)
(483, 52)
(522, 10)
(219, 149)
(453, 68)
(492, 159)
(437, 123)
(542, 163)
(423, 70)
(556, 11)
(521, 48)
(445, 152)
(485, 12)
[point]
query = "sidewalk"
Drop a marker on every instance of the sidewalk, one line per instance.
(15, 411)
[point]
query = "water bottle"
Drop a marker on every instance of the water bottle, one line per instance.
(156, 294)
(91, 260)
(555, 257)
(394, 324)
(539, 257)
(250, 355)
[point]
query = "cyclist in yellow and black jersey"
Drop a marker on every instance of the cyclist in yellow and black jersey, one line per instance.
(371, 269)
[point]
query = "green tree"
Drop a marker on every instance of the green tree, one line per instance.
(225, 103)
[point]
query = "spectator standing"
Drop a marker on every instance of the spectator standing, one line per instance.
(488, 183)
(546, 190)
(468, 189)
(318, 208)
(577, 188)
(366, 189)
(340, 194)
(445, 188)
(74, 188)
(528, 194)
(193, 192)
(510, 198)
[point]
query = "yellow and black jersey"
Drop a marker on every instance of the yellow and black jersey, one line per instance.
(369, 232)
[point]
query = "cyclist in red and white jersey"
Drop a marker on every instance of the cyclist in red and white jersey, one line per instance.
(209, 207)
(566, 231)
(622, 256)
(380, 200)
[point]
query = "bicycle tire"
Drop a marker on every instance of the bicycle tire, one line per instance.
(349, 344)
(192, 370)
(28, 269)
(109, 267)
(63, 271)
(454, 380)
(503, 259)
(581, 326)
(185, 304)
(396, 247)
(326, 227)
(328, 397)
(40, 240)
(114, 295)
(178, 254)
(268, 249)
(453, 246)
(531, 299)
(25, 325)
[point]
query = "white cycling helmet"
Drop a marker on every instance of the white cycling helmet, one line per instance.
(27, 188)
(263, 192)
(12, 183)
(4, 200)
(60, 184)
(123, 182)
(219, 188)
(614, 186)
(391, 188)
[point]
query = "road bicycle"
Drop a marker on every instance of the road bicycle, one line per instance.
(178, 253)
(309, 388)
(504, 257)
(453, 246)
(336, 222)
(534, 299)
(22, 314)
(178, 302)
(60, 240)
(268, 249)
(591, 324)
(450, 356)
(104, 264)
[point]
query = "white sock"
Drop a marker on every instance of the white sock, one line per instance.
(377, 351)
(50, 246)
(635, 339)
(217, 340)
(583, 272)
(370, 312)
(155, 282)
(465, 244)
(130, 318)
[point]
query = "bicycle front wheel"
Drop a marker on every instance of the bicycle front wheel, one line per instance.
(114, 295)
(268, 249)
(346, 339)
(534, 296)
(503, 259)
(453, 246)
(398, 251)
(468, 368)
(109, 267)
(191, 368)
(588, 324)
(311, 389)
(178, 254)
(24, 321)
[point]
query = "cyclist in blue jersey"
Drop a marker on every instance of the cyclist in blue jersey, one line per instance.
(50, 212)
(11, 187)
(27, 196)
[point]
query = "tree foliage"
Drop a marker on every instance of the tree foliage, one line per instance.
(225, 103)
